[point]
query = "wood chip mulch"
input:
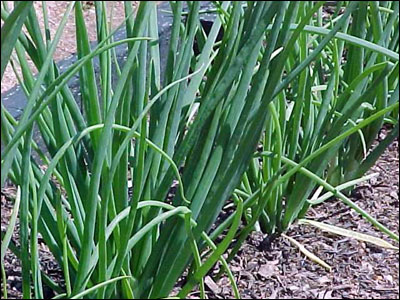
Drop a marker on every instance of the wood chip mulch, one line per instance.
(360, 270)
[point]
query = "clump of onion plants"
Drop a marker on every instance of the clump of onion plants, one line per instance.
(319, 130)
(99, 194)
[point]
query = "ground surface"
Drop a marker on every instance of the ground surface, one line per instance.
(359, 269)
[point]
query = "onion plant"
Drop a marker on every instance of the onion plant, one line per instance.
(327, 119)
(128, 185)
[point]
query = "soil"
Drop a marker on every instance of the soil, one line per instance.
(359, 270)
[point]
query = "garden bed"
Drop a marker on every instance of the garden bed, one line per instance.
(359, 271)
(212, 156)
